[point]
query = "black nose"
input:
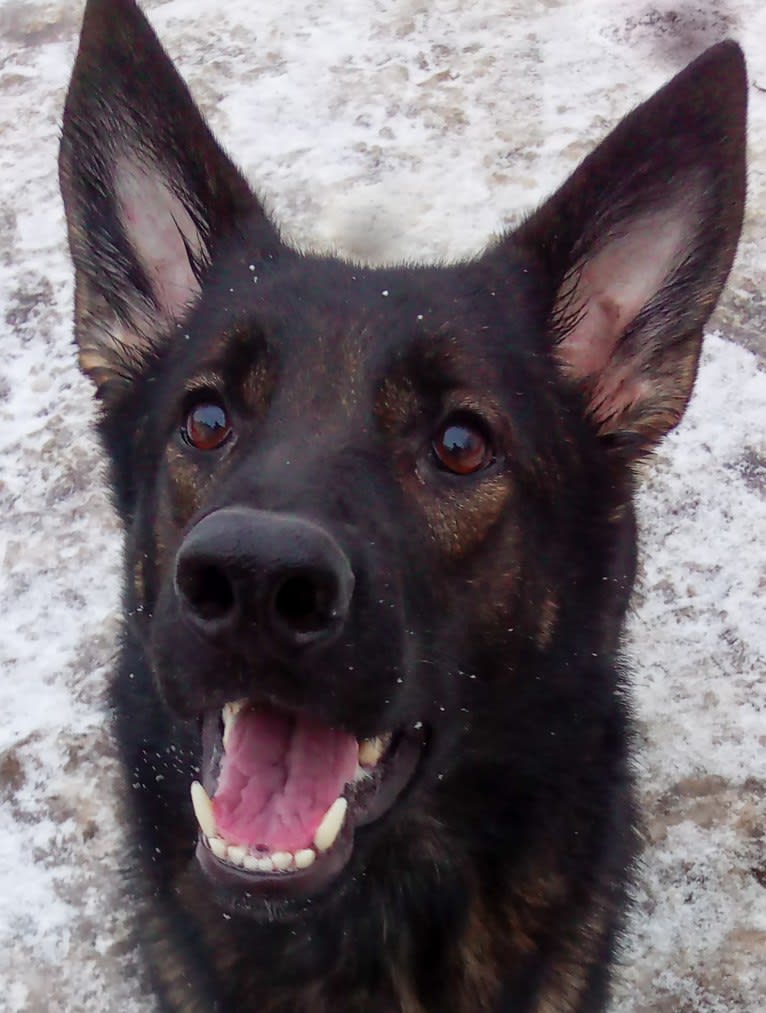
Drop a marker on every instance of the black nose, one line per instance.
(244, 574)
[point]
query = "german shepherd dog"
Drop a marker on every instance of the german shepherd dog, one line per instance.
(380, 543)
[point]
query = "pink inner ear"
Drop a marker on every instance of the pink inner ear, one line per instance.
(615, 284)
(611, 289)
(157, 224)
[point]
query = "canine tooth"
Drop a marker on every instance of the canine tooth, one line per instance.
(229, 714)
(370, 751)
(232, 708)
(203, 809)
(218, 847)
(282, 860)
(237, 854)
(304, 858)
(330, 826)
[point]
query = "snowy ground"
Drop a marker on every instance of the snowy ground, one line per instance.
(408, 128)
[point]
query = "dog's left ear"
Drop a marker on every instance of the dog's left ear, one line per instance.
(636, 246)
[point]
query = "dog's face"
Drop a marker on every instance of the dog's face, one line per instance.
(379, 524)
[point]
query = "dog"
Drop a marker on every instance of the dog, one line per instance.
(379, 545)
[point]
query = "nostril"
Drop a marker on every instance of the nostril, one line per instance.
(304, 603)
(207, 590)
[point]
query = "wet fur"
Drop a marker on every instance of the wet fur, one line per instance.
(489, 607)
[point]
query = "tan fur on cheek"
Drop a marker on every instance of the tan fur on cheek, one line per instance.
(179, 498)
(461, 519)
(166, 536)
(184, 486)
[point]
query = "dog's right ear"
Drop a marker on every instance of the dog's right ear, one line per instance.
(149, 194)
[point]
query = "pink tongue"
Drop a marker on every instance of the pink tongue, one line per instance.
(279, 776)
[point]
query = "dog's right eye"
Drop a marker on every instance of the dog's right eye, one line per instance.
(206, 426)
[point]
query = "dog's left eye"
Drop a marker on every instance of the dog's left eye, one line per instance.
(462, 446)
(206, 426)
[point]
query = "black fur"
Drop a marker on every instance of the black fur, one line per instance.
(486, 607)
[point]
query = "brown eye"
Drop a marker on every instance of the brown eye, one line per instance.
(461, 447)
(207, 426)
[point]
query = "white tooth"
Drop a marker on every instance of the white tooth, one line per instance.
(265, 864)
(370, 751)
(203, 809)
(237, 854)
(231, 709)
(251, 863)
(282, 860)
(330, 826)
(304, 858)
(218, 847)
(229, 714)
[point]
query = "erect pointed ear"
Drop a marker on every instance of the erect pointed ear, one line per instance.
(636, 246)
(148, 193)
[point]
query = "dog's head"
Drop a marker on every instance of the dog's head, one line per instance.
(379, 525)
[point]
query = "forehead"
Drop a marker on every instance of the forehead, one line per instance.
(341, 330)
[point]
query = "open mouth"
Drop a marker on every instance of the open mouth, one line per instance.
(282, 794)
